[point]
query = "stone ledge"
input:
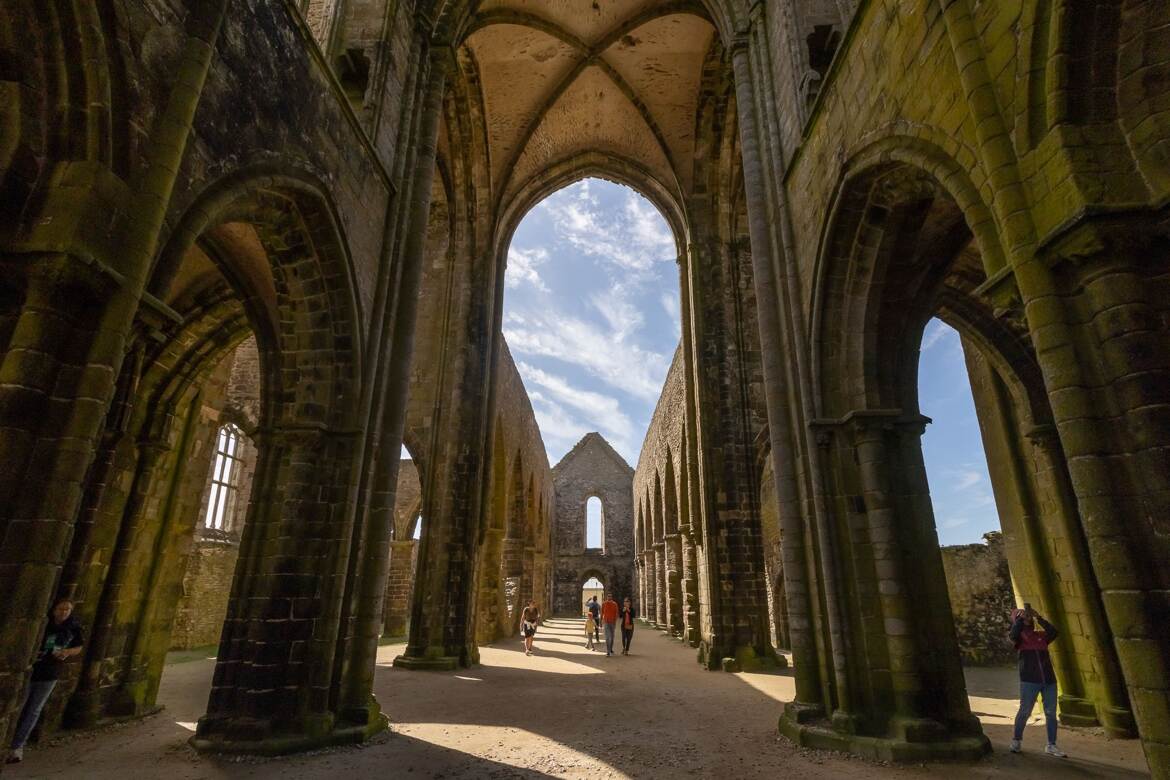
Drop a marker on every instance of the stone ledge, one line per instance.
(441, 663)
(282, 744)
(819, 735)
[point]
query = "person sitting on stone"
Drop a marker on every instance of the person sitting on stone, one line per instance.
(590, 629)
(62, 640)
(1036, 674)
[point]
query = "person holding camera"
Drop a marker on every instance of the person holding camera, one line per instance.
(1036, 675)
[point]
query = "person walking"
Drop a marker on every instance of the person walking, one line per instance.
(528, 625)
(63, 640)
(595, 610)
(1037, 677)
(627, 616)
(609, 616)
(590, 629)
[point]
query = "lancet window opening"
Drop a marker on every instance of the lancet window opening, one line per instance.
(225, 475)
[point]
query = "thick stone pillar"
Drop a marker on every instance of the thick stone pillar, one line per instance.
(898, 686)
(674, 593)
(690, 587)
(492, 610)
(540, 592)
(399, 584)
(1107, 366)
(527, 570)
(275, 686)
(650, 609)
(1047, 552)
(782, 347)
(61, 362)
(661, 585)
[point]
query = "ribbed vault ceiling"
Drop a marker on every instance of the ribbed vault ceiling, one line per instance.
(564, 77)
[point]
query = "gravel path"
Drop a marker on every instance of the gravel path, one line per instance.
(563, 712)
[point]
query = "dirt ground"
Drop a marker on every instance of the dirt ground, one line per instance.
(564, 712)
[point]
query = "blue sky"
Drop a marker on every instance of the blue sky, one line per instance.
(591, 313)
(591, 316)
(956, 467)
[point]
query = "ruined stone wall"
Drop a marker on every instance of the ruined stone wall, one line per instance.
(980, 589)
(1032, 122)
(210, 564)
(592, 469)
(403, 550)
(658, 579)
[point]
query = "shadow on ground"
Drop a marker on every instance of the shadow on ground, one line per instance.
(564, 712)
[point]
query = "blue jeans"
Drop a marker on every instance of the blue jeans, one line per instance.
(609, 627)
(35, 697)
(1028, 693)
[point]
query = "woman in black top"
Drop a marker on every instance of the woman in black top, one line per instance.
(62, 641)
(626, 620)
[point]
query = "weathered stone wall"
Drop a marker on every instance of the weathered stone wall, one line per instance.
(210, 563)
(592, 469)
(403, 550)
(206, 584)
(667, 580)
(980, 589)
(994, 179)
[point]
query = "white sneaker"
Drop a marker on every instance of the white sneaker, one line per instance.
(1015, 746)
(1055, 752)
(16, 756)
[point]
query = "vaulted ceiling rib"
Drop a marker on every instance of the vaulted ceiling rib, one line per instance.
(620, 78)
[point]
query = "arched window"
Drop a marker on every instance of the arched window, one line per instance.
(593, 516)
(225, 476)
(417, 528)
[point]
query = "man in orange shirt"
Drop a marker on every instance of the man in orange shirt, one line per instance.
(609, 616)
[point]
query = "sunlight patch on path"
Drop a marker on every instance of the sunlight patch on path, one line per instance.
(782, 688)
(515, 747)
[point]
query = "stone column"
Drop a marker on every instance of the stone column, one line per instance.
(661, 585)
(674, 595)
(1102, 682)
(492, 611)
(1039, 519)
(690, 587)
(399, 582)
(512, 567)
(650, 605)
(275, 684)
(527, 568)
(781, 349)
(1113, 428)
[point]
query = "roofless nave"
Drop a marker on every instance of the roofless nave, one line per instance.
(338, 180)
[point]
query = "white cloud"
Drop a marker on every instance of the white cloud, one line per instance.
(633, 239)
(604, 411)
(523, 265)
(670, 305)
(950, 523)
(967, 478)
(561, 429)
(938, 332)
(604, 353)
(622, 316)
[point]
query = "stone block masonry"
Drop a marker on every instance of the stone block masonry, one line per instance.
(592, 469)
(980, 589)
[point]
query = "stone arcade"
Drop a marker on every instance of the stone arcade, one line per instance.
(333, 185)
